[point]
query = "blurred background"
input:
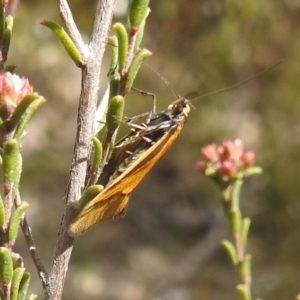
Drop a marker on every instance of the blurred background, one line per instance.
(168, 244)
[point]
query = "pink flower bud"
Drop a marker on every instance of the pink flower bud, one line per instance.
(210, 153)
(247, 159)
(228, 168)
(233, 150)
(12, 90)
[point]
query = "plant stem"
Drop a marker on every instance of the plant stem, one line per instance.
(86, 113)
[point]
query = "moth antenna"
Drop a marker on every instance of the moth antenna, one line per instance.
(238, 84)
(216, 92)
(165, 81)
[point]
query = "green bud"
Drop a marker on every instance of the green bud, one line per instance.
(15, 222)
(138, 12)
(89, 194)
(115, 113)
(65, 40)
(15, 284)
(6, 266)
(123, 44)
(134, 67)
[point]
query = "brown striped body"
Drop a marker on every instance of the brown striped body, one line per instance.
(132, 158)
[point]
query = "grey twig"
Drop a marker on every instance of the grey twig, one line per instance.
(85, 121)
(71, 28)
(31, 245)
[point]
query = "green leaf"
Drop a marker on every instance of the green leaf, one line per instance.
(113, 40)
(15, 222)
(243, 293)
(134, 68)
(12, 164)
(2, 213)
(9, 22)
(245, 268)
(245, 229)
(6, 266)
(138, 11)
(98, 151)
(140, 32)
(235, 219)
(229, 247)
(122, 43)
(23, 113)
(15, 284)
(115, 113)
(65, 40)
(24, 284)
(89, 194)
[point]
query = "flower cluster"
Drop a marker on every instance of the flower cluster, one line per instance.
(12, 90)
(227, 160)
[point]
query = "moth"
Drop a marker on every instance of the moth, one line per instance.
(132, 158)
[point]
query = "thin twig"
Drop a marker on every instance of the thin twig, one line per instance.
(71, 28)
(85, 122)
(31, 245)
